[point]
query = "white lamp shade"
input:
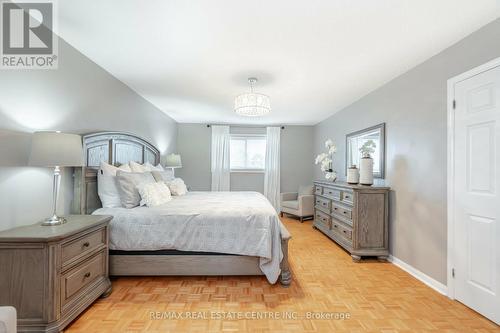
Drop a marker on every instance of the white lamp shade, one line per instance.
(51, 149)
(173, 161)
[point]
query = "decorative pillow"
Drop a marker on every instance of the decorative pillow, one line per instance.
(154, 194)
(306, 190)
(107, 190)
(136, 167)
(177, 186)
(110, 170)
(127, 183)
(163, 176)
(151, 167)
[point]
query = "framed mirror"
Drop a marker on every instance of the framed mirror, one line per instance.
(355, 140)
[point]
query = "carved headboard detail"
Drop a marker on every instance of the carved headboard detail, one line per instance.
(115, 148)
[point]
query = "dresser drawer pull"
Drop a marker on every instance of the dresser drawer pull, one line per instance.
(87, 275)
(335, 208)
(344, 212)
(335, 226)
(86, 244)
(347, 197)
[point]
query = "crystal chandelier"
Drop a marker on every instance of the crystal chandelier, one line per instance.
(252, 104)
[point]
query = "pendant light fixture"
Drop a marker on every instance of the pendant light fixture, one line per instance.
(252, 104)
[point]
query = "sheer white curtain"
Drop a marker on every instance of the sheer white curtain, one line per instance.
(221, 169)
(272, 173)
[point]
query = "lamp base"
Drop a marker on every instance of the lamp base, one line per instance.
(54, 220)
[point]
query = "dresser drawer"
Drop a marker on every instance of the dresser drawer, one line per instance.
(341, 211)
(323, 203)
(331, 193)
(318, 190)
(82, 275)
(322, 219)
(347, 197)
(341, 230)
(83, 245)
(346, 232)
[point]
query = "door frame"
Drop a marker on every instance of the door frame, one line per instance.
(451, 166)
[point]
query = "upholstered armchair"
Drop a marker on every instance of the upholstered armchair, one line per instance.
(300, 204)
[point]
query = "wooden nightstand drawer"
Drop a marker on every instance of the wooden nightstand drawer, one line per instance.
(83, 245)
(53, 273)
(82, 275)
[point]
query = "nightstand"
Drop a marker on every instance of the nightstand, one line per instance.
(52, 274)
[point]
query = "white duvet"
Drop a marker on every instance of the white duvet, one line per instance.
(241, 223)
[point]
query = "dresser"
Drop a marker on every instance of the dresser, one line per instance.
(354, 216)
(50, 274)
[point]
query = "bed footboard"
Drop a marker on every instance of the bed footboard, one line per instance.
(286, 274)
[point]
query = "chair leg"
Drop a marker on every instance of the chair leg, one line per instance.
(281, 214)
(301, 219)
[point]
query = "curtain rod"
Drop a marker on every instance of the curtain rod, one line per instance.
(249, 126)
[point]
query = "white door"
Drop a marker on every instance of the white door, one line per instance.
(476, 196)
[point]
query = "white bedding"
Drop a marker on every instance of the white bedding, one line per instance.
(241, 223)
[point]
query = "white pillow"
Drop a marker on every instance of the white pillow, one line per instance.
(136, 167)
(108, 190)
(151, 167)
(110, 170)
(154, 194)
(177, 186)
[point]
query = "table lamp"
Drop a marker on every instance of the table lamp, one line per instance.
(173, 161)
(55, 150)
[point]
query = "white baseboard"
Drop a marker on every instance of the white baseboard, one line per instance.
(426, 279)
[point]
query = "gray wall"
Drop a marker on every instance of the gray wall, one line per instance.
(413, 106)
(194, 141)
(79, 97)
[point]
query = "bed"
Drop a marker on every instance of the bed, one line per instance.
(202, 233)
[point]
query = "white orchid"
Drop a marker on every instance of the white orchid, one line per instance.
(320, 158)
(325, 164)
(325, 160)
(328, 143)
(332, 150)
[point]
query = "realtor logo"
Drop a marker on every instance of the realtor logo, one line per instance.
(28, 41)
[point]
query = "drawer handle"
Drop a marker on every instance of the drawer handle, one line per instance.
(86, 244)
(347, 197)
(335, 226)
(344, 231)
(335, 208)
(87, 275)
(345, 212)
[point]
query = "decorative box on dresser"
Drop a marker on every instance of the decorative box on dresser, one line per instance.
(50, 274)
(354, 216)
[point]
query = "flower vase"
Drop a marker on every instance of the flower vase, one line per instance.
(366, 171)
(331, 175)
(353, 175)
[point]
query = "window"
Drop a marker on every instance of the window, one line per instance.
(248, 153)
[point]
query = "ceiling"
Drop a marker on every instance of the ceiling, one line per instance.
(191, 58)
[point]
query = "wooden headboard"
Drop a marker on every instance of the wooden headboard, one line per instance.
(115, 148)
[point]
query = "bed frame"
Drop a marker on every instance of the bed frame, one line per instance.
(118, 148)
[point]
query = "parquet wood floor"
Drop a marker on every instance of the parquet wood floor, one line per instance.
(378, 297)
